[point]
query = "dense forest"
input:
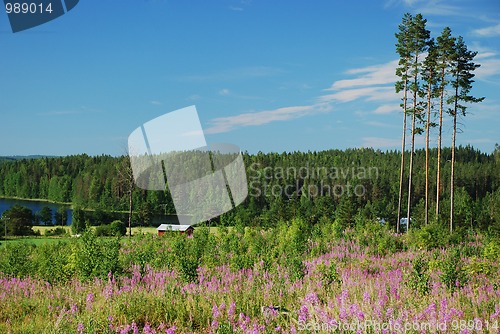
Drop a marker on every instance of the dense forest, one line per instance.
(334, 185)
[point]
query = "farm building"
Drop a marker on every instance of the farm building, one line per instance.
(188, 229)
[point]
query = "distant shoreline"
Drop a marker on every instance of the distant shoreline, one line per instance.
(42, 200)
(48, 201)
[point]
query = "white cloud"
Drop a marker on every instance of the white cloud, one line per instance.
(225, 124)
(489, 67)
(387, 109)
(156, 103)
(482, 55)
(488, 31)
(380, 124)
(234, 74)
(373, 75)
(60, 113)
(194, 97)
(434, 7)
(373, 83)
(369, 93)
(224, 92)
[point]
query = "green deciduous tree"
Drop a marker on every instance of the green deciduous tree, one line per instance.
(62, 216)
(46, 215)
(78, 221)
(19, 220)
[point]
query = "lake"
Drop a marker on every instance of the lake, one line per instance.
(35, 206)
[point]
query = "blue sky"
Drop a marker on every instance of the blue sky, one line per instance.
(264, 75)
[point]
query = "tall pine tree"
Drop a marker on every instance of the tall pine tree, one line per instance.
(462, 68)
(403, 49)
(445, 45)
(430, 79)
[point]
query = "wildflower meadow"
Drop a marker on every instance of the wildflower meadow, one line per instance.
(287, 279)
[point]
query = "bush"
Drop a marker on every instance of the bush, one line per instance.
(119, 227)
(378, 238)
(431, 236)
(418, 279)
(104, 231)
(56, 231)
(491, 250)
(15, 259)
(452, 273)
(109, 230)
(97, 257)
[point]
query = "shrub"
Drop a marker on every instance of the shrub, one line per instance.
(56, 231)
(97, 257)
(431, 236)
(329, 273)
(418, 279)
(491, 250)
(119, 227)
(15, 259)
(109, 230)
(104, 231)
(452, 273)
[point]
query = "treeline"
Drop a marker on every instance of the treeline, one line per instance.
(350, 185)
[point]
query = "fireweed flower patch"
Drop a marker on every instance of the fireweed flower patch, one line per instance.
(347, 288)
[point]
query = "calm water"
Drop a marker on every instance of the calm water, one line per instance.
(34, 206)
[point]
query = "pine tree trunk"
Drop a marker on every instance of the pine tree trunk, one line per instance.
(401, 175)
(414, 112)
(411, 168)
(130, 212)
(427, 129)
(452, 177)
(452, 185)
(438, 178)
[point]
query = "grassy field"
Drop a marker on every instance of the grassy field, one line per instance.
(38, 240)
(34, 240)
(281, 280)
(44, 229)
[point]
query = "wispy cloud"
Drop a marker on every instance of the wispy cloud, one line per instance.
(490, 65)
(372, 75)
(371, 83)
(387, 109)
(234, 74)
(224, 92)
(368, 93)
(435, 7)
(60, 112)
(225, 124)
(193, 97)
(379, 124)
(75, 111)
(240, 5)
(488, 31)
(156, 103)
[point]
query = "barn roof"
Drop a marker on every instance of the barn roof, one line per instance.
(169, 227)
